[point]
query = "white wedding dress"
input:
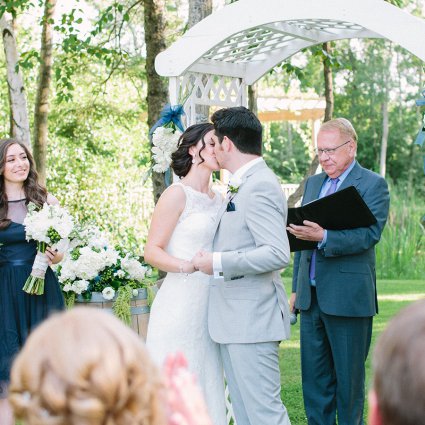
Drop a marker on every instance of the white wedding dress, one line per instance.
(178, 320)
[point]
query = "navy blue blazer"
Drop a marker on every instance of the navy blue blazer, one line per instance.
(345, 267)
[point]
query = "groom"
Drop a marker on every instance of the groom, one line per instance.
(248, 312)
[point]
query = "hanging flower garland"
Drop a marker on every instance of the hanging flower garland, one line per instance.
(165, 136)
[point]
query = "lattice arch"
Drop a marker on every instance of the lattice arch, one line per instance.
(214, 61)
(238, 44)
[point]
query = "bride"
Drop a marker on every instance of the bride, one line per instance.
(182, 225)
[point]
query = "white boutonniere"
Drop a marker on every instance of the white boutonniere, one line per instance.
(234, 184)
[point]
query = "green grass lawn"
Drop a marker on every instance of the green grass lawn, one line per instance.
(392, 296)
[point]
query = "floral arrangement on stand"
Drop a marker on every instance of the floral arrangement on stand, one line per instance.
(92, 265)
(51, 226)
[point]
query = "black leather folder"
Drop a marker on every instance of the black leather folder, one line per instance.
(344, 209)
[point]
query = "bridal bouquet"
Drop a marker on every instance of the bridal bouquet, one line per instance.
(48, 226)
(93, 265)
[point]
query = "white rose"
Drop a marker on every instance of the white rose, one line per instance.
(108, 293)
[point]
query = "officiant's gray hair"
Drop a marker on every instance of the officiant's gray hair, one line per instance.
(343, 125)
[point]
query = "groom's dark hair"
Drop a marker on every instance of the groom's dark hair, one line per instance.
(241, 126)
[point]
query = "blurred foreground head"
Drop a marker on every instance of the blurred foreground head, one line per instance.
(398, 393)
(85, 367)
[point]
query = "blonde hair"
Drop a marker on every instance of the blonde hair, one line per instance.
(399, 367)
(344, 127)
(84, 367)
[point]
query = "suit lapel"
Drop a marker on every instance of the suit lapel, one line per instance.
(314, 187)
(353, 178)
(249, 173)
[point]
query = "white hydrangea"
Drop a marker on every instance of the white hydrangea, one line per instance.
(38, 222)
(89, 235)
(80, 286)
(164, 140)
(134, 268)
(120, 273)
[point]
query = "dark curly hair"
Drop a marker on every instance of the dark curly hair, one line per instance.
(34, 192)
(181, 158)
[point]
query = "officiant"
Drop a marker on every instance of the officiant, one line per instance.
(334, 285)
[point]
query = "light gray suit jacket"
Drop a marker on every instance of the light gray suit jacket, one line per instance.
(250, 305)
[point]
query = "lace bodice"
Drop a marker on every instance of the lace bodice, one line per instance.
(194, 230)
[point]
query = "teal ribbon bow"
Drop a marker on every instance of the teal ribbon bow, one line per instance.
(169, 114)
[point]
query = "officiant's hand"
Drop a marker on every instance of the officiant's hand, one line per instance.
(203, 261)
(309, 232)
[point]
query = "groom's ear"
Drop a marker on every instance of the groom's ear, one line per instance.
(227, 144)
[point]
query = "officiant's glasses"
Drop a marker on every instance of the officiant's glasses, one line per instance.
(329, 152)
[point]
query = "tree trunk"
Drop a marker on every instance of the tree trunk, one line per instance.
(157, 87)
(41, 107)
(384, 140)
(329, 90)
(252, 98)
(20, 128)
(198, 10)
(329, 96)
(298, 194)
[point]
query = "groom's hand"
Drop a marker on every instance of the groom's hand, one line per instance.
(203, 261)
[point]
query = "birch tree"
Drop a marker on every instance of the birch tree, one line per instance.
(19, 123)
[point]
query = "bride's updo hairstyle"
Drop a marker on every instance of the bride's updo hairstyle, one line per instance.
(85, 367)
(181, 158)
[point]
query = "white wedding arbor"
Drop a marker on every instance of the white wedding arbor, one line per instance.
(215, 61)
(217, 58)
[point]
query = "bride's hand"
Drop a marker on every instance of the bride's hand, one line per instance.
(187, 267)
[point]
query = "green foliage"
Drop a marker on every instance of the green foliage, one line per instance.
(121, 307)
(401, 251)
(393, 295)
(285, 150)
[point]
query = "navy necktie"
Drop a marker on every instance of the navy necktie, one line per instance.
(332, 189)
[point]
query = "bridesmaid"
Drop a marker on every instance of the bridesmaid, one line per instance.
(19, 311)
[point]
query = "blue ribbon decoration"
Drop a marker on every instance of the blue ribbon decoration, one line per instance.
(169, 114)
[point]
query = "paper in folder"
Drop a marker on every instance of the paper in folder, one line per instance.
(344, 209)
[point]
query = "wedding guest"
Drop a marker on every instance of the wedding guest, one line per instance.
(334, 285)
(398, 393)
(84, 367)
(19, 312)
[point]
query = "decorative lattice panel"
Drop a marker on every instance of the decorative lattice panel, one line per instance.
(207, 90)
(256, 43)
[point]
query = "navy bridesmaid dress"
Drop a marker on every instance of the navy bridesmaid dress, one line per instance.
(20, 312)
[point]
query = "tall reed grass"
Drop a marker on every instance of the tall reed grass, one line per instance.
(401, 251)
